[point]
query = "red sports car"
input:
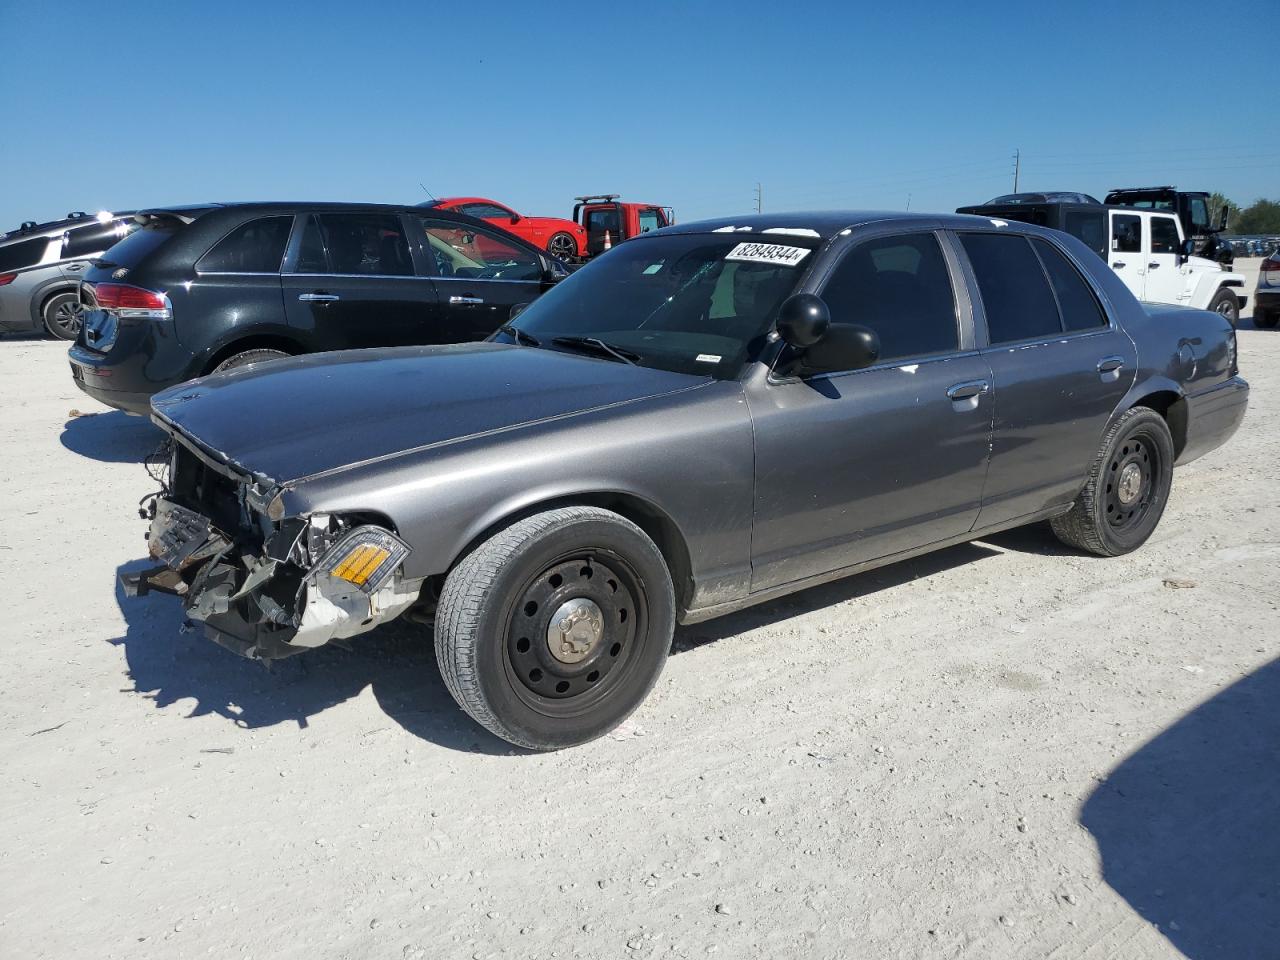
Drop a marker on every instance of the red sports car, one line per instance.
(560, 238)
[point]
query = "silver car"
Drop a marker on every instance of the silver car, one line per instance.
(40, 266)
(1266, 300)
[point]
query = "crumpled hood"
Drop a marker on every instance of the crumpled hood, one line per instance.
(289, 419)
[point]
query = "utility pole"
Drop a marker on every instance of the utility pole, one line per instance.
(1017, 164)
(759, 198)
(908, 203)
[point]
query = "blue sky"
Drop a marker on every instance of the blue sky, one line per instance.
(826, 104)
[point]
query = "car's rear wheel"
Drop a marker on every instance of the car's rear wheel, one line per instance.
(552, 631)
(247, 357)
(1226, 303)
(63, 316)
(1127, 489)
(562, 246)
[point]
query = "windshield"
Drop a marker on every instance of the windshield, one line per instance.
(697, 304)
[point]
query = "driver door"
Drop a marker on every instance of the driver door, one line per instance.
(479, 275)
(858, 465)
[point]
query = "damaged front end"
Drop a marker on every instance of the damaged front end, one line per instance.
(264, 585)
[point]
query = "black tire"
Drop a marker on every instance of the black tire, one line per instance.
(563, 246)
(1226, 303)
(246, 357)
(1265, 319)
(1111, 517)
(496, 612)
(63, 316)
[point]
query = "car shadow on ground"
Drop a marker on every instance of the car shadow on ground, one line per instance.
(113, 437)
(1188, 826)
(169, 664)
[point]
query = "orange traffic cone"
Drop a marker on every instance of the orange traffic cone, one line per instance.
(608, 241)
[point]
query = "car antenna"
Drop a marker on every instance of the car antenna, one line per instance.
(425, 190)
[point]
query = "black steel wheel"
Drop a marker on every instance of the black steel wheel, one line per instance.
(1126, 490)
(63, 316)
(552, 631)
(563, 246)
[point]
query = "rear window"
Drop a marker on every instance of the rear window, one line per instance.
(1080, 309)
(140, 244)
(1091, 228)
(253, 247)
(96, 238)
(24, 253)
(1015, 292)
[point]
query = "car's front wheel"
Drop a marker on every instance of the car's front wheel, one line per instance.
(1127, 489)
(1226, 303)
(553, 630)
(562, 246)
(63, 316)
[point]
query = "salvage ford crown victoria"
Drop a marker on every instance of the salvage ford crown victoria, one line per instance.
(711, 416)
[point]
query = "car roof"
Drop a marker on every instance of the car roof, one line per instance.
(58, 226)
(823, 224)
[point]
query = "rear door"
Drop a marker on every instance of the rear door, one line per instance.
(1060, 369)
(1164, 281)
(601, 221)
(1127, 251)
(479, 275)
(350, 282)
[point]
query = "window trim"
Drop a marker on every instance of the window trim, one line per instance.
(1062, 317)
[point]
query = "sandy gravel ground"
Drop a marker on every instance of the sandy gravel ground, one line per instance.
(1002, 750)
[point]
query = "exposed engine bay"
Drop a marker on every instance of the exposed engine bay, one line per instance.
(266, 587)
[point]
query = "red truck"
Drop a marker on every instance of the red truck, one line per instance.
(609, 220)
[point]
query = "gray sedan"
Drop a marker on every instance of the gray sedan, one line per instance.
(709, 416)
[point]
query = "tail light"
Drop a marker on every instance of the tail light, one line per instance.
(126, 300)
(7, 278)
(1269, 265)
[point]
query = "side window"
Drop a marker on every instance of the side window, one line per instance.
(1079, 307)
(311, 255)
(1126, 233)
(1164, 235)
(460, 250)
(95, 239)
(1016, 297)
(486, 211)
(364, 243)
(649, 220)
(900, 288)
(1090, 228)
(602, 219)
(253, 247)
(23, 254)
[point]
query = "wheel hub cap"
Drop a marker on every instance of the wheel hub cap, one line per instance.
(1130, 484)
(575, 629)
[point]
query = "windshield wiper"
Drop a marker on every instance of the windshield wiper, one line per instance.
(521, 336)
(598, 346)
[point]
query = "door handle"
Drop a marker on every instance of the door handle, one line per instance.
(1118, 264)
(318, 297)
(75, 267)
(472, 300)
(1109, 368)
(1153, 266)
(961, 393)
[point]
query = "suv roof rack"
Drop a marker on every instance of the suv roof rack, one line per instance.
(1136, 189)
(591, 198)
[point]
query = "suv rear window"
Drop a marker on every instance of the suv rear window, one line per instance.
(140, 244)
(23, 254)
(253, 247)
(96, 238)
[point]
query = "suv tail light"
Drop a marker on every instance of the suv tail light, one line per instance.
(7, 278)
(126, 300)
(1269, 265)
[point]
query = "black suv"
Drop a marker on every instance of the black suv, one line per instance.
(207, 288)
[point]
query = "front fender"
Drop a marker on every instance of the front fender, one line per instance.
(1206, 287)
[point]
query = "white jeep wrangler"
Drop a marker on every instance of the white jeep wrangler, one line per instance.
(1149, 253)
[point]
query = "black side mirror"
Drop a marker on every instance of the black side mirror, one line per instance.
(1222, 219)
(847, 346)
(1188, 248)
(517, 309)
(803, 320)
(515, 218)
(551, 276)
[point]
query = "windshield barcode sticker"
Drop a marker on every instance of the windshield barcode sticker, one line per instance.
(708, 358)
(768, 253)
